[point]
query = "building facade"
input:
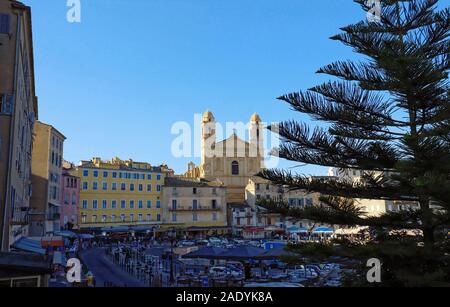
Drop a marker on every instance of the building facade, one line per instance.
(120, 193)
(232, 161)
(48, 148)
(70, 197)
(196, 207)
(18, 111)
(250, 220)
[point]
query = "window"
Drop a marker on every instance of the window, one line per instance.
(95, 204)
(103, 218)
(214, 204)
(141, 188)
(149, 217)
(95, 185)
(114, 174)
(149, 177)
(158, 204)
(132, 217)
(158, 177)
(194, 191)
(105, 174)
(95, 173)
(214, 216)
(85, 185)
(85, 204)
(234, 168)
(113, 204)
(4, 23)
(123, 204)
(158, 188)
(113, 218)
(158, 217)
(83, 219)
(174, 217)
(122, 217)
(85, 173)
(174, 204)
(149, 187)
(114, 186)
(194, 204)
(141, 204)
(149, 204)
(105, 186)
(104, 204)
(131, 186)
(123, 187)
(94, 219)
(194, 217)
(74, 198)
(140, 217)
(131, 204)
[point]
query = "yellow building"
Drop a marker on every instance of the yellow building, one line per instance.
(120, 193)
(196, 207)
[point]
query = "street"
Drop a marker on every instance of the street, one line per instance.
(105, 271)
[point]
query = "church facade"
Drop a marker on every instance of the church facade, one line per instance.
(232, 161)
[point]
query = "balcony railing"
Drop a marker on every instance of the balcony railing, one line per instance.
(20, 216)
(191, 208)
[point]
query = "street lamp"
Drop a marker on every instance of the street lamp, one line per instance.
(172, 236)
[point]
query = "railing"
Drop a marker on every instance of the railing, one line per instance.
(191, 208)
(20, 216)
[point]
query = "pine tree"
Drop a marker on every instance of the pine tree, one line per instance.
(387, 116)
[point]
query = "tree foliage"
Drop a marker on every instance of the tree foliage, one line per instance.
(387, 116)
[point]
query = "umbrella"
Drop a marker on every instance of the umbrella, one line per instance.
(323, 230)
(85, 236)
(66, 234)
(206, 253)
(275, 253)
(296, 229)
(242, 252)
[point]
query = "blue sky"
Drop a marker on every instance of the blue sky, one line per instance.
(116, 82)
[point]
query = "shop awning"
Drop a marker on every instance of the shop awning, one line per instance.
(28, 245)
(323, 230)
(296, 229)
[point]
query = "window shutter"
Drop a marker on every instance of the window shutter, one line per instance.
(4, 23)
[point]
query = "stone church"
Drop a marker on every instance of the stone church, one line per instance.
(232, 161)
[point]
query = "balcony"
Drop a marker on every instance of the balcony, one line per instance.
(191, 208)
(20, 216)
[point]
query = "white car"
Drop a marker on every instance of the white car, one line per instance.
(218, 271)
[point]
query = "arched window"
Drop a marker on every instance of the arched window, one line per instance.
(235, 168)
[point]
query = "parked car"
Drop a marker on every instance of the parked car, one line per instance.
(202, 242)
(186, 243)
(218, 271)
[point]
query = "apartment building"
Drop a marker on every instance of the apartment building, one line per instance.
(120, 193)
(70, 197)
(18, 112)
(48, 149)
(196, 207)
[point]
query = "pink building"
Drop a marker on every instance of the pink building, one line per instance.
(70, 197)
